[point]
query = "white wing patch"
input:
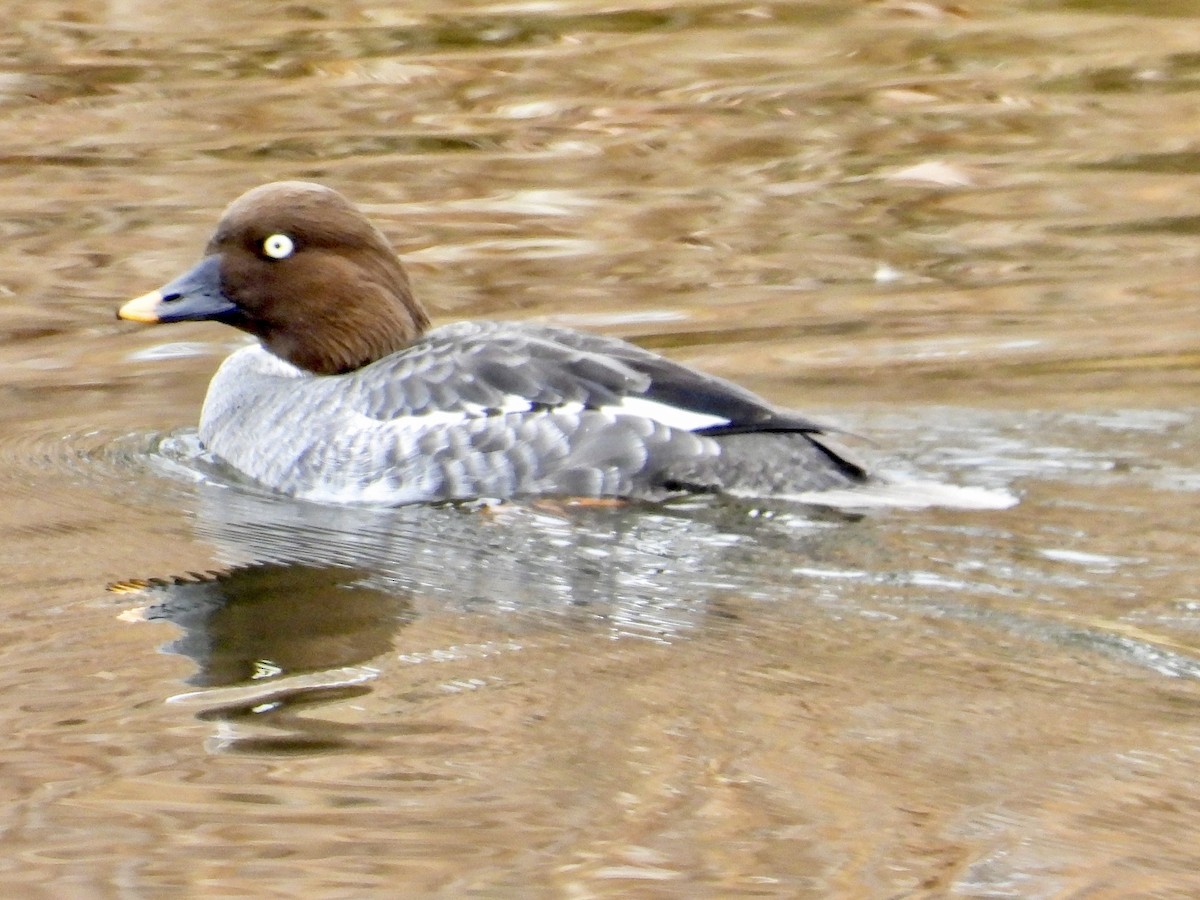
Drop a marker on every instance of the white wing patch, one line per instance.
(510, 404)
(662, 413)
(666, 414)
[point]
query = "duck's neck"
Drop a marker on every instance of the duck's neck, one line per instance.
(338, 350)
(378, 316)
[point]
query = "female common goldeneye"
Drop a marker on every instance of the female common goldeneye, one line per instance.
(347, 397)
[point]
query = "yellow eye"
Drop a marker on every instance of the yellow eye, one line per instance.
(278, 246)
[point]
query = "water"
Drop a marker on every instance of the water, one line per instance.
(966, 233)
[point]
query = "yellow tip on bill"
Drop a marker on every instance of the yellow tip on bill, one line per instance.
(142, 309)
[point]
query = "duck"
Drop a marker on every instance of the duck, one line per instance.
(349, 396)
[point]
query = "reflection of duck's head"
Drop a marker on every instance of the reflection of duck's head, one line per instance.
(265, 620)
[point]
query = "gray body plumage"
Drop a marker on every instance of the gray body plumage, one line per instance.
(490, 409)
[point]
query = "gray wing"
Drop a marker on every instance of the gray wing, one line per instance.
(485, 365)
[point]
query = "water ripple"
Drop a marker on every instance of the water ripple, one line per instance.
(47, 464)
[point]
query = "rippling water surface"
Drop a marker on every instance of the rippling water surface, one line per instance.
(965, 231)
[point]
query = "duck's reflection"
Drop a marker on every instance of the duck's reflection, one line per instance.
(263, 621)
(531, 559)
(314, 600)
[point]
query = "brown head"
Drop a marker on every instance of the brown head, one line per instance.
(297, 265)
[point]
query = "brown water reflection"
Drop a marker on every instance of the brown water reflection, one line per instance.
(967, 231)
